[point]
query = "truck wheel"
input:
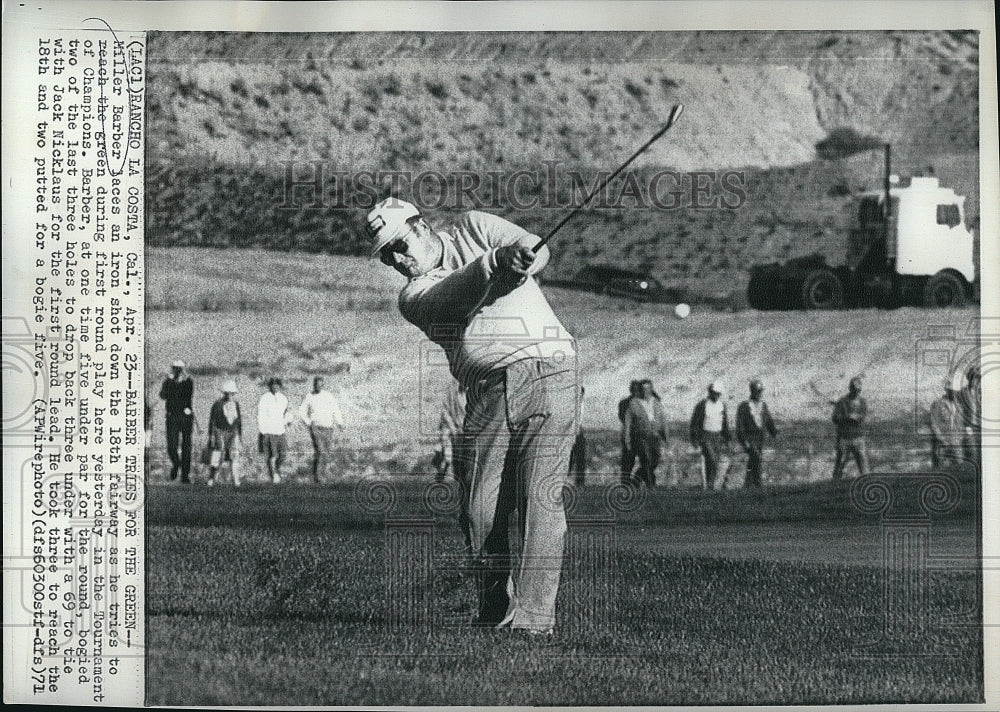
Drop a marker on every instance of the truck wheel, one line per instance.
(822, 289)
(944, 290)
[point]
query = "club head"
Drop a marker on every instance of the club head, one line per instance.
(675, 113)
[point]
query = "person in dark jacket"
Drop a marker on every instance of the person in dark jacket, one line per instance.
(710, 432)
(628, 455)
(849, 414)
(753, 425)
(645, 430)
(177, 392)
(225, 433)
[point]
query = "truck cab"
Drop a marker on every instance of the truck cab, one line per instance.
(918, 251)
(914, 250)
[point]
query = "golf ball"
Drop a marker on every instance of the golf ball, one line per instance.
(682, 311)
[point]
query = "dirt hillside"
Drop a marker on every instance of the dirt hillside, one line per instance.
(226, 110)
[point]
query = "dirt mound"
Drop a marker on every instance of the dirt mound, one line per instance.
(227, 112)
(440, 100)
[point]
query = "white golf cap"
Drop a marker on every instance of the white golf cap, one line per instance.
(177, 364)
(229, 386)
(387, 221)
(716, 387)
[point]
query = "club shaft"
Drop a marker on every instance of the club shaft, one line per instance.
(674, 113)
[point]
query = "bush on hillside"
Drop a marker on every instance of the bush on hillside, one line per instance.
(845, 141)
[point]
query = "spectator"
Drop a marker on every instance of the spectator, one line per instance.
(709, 432)
(628, 455)
(645, 431)
(947, 428)
(272, 417)
(177, 392)
(225, 433)
(849, 414)
(578, 455)
(320, 411)
(971, 408)
(753, 425)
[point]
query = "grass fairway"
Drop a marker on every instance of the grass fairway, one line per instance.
(279, 596)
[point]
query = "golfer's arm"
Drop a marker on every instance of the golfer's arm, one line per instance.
(501, 233)
(451, 300)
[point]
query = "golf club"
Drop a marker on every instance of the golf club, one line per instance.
(675, 113)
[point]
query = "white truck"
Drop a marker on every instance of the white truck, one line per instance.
(909, 246)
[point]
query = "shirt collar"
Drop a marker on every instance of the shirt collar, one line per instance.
(449, 254)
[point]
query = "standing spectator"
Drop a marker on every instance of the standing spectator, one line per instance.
(450, 431)
(710, 431)
(225, 433)
(628, 454)
(578, 455)
(320, 411)
(849, 416)
(646, 431)
(272, 417)
(753, 425)
(177, 392)
(947, 428)
(971, 407)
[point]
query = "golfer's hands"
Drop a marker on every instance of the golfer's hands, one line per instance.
(513, 262)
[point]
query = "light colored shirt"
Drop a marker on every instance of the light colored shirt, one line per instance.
(321, 409)
(462, 310)
(271, 413)
(229, 411)
(755, 410)
(647, 405)
(714, 413)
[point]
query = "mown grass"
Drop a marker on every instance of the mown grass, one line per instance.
(279, 596)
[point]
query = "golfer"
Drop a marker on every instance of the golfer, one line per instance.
(471, 290)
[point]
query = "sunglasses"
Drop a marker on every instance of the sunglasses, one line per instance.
(398, 245)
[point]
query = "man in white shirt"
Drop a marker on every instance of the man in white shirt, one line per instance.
(320, 411)
(710, 431)
(472, 291)
(272, 417)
